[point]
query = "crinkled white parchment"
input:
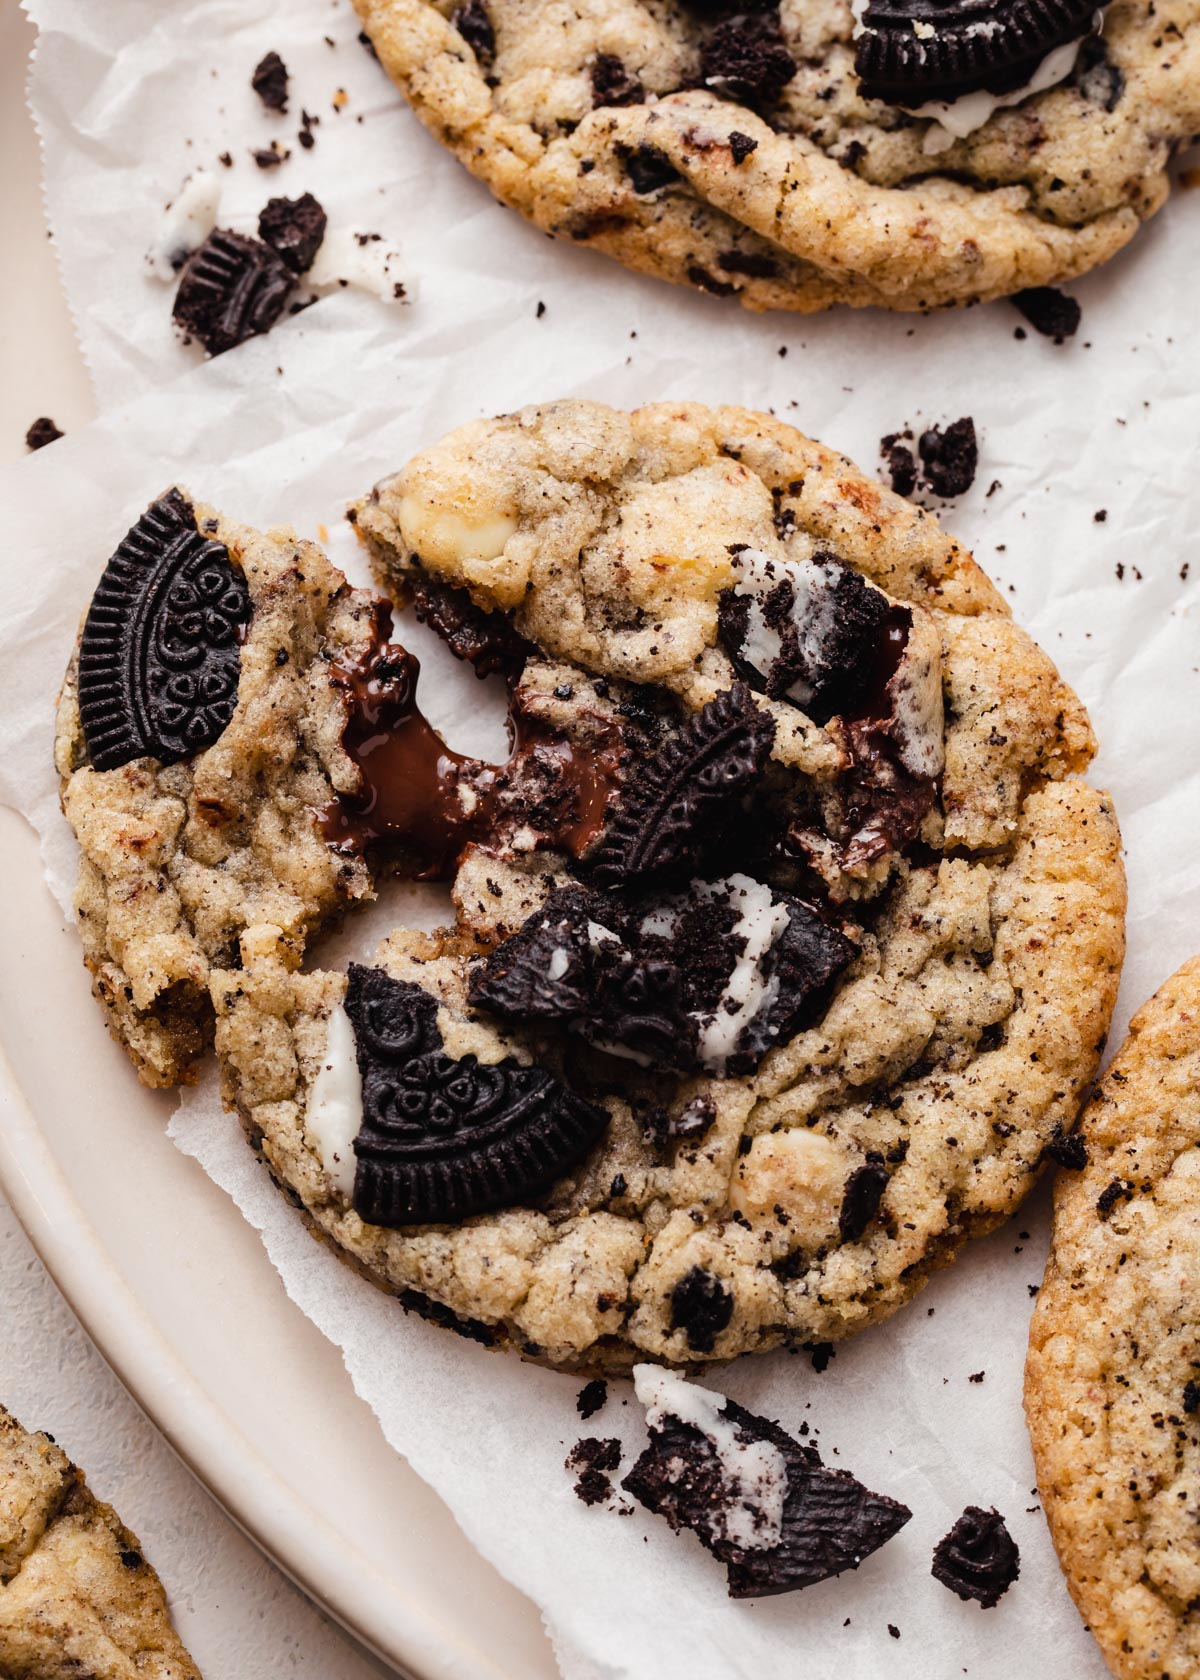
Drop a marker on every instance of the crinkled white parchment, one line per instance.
(290, 427)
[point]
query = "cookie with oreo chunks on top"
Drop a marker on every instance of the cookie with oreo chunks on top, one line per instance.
(719, 1213)
(792, 158)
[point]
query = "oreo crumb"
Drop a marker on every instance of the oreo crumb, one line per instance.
(612, 84)
(978, 1558)
(42, 432)
(893, 1630)
(746, 58)
(1049, 312)
(270, 157)
(949, 458)
(270, 82)
(1100, 516)
(1191, 1397)
(740, 146)
(820, 1353)
(591, 1397)
(900, 461)
(701, 1307)
(473, 22)
(1068, 1149)
(648, 168)
(977, 1376)
(294, 227)
(595, 1460)
(1120, 1189)
(861, 1198)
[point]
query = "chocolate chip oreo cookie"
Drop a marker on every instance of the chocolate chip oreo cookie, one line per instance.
(908, 154)
(782, 945)
(1112, 1381)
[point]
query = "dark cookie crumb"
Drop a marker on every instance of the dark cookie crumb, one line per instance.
(1068, 1149)
(648, 168)
(612, 84)
(978, 1558)
(270, 157)
(270, 82)
(1191, 1397)
(1049, 312)
(42, 432)
(701, 1307)
(230, 289)
(591, 1397)
(901, 462)
(294, 227)
(861, 1198)
(595, 1459)
(821, 1353)
(1120, 1189)
(746, 58)
(740, 146)
(474, 23)
(950, 458)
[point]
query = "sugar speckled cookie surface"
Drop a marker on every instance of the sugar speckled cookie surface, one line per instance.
(1112, 1384)
(77, 1598)
(825, 1009)
(737, 153)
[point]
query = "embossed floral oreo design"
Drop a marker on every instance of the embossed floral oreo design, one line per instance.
(159, 655)
(442, 1138)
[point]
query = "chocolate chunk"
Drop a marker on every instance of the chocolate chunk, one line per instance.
(949, 458)
(231, 289)
(270, 82)
(901, 463)
(1191, 1397)
(648, 168)
(159, 657)
(978, 1558)
(485, 640)
(861, 1198)
(807, 631)
(1049, 312)
(1121, 1189)
(701, 1307)
(1096, 76)
(830, 1521)
(649, 977)
(685, 794)
(474, 23)
(745, 57)
(443, 1139)
(294, 227)
(41, 433)
(1068, 1149)
(591, 1398)
(612, 84)
(740, 147)
(912, 52)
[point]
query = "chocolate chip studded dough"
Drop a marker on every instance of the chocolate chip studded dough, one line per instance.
(834, 1037)
(77, 1598)
(1112, 1383)
(626, 125)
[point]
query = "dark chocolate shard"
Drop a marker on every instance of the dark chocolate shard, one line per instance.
(978, 1558)
(809, 631)
(270, 82)
(701, 1306)
(649, 976)
(914, 52)
(1049, 312)
(231, 289)
(683, 795)
(747, 59)
(830, 1522)
(612, 83)
(861, 1198)
(474, 23)
(485, 640)
(949, 457)
(443, 1139)
(293, 227)
(159, 658)
(1068, 1149)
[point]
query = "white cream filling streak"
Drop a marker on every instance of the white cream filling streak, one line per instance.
(335, 1112)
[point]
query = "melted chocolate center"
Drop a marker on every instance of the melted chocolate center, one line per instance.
(418, 793)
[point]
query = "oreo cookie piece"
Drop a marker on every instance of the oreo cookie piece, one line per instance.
(711, 978)
(758, 1500)
(294, 228)
(270, 81)
(684, 794)
(917, 52)
(1050, 312)
(746, 58)
(159, 658)
(230, 289)
(978, 1558)
(613, 84)
(443, 1139)
(809, 631)
(474, 23)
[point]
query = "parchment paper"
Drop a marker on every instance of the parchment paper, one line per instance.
(290, 427)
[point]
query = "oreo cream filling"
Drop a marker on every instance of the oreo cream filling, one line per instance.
(811, 612)
(335, 1107)
(761, 920)
(754, 1472)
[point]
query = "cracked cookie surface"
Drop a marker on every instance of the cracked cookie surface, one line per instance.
(775, 1177)
(600, 121)
(76, 1595)
(1112, 1382)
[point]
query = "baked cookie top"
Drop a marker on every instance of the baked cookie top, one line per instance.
(790, 953)
(76, 1595)
(736, 147)
(1112, 1382)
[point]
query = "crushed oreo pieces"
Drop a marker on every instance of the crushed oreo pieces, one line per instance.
(828, 1524)
(230, 289)
(943, 460)
(294, 228)
(595, 1460)
(270, 82)
(745, 58)
(1068, 1149)
(1049, 312)
(474, 23)
(42, 432)
(701, 1307)
(591, 1398)
(978, 1559)
(648, 168)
